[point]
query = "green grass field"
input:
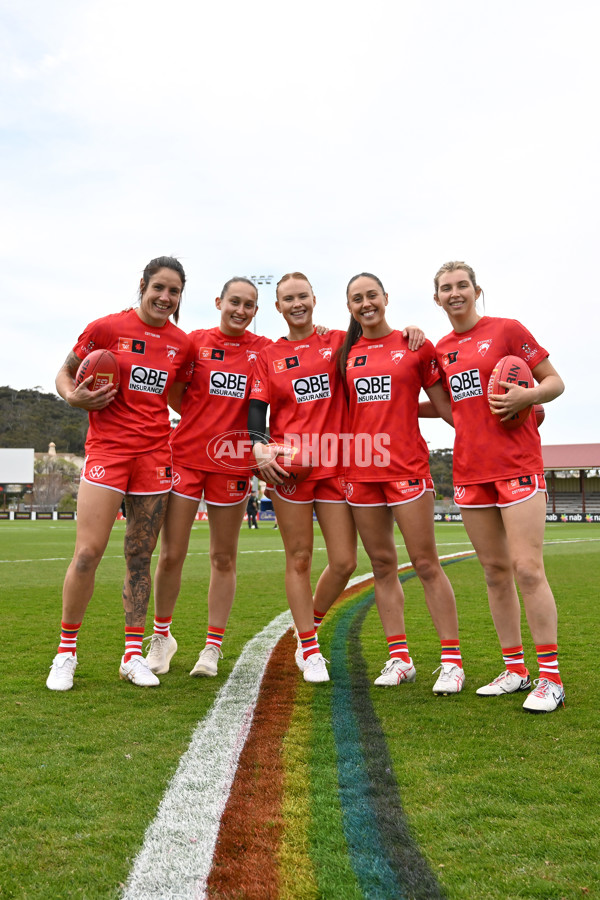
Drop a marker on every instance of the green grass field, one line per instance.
(82, 773)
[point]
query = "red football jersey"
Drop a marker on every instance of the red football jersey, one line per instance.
(384, 381)
(483, 449)
(300, 380)
(150, 360)
(216, 402)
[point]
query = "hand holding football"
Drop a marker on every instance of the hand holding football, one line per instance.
(290, 459)
(512, 370)
(103, 365)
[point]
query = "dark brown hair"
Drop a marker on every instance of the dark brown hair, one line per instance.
(235, 279)
(354, 331)
(163, 262)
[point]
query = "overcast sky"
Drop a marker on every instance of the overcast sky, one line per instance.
(329, 137)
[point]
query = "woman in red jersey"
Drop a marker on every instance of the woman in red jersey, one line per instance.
(298, 378)
(388, 479)
(127, 454)
(499, 478)
(211, 458)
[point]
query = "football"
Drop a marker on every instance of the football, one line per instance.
(290, 459)
(539, 413)
(513, 370)
(103, 365)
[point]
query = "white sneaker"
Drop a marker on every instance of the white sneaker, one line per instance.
(61, 672)
(546, 697)
(450, 680)
(396, 671)
(207, 661)
(506, 683)
(315, 669)
(137, 671)
(163, 648)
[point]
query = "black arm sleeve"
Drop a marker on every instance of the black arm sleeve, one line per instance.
(257, 421)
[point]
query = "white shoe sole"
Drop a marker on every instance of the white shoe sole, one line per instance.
(164, 668)
(202, 671)
(481, 692)
(129, 676)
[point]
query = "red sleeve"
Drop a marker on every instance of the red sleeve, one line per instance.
(260, 384)
(523, 344)
(95, 336)
(430, 373)
(185, 369)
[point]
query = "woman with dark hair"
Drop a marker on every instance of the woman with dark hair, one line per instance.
(499, 480)
(384, 382)
(127, 455)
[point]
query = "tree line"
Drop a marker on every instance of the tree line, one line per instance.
(29, 418)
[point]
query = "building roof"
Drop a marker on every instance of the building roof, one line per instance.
(571, 456)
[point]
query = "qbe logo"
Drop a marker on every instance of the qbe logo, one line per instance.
(375, 388)
(228, 384)
(465, 384)
(151, 381)
(313, 387)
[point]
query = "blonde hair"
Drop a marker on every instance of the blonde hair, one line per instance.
(289, 275)
(452, 267)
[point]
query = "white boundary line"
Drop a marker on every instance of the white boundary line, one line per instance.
(282, 550)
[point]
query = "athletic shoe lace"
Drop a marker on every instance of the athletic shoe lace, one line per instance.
(544, 687)
(446, 671)
(155, 641)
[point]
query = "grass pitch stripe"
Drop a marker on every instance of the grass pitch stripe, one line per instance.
(414, 874)
(377, 878)
(386, 859)
(242, 867)
(178, 848)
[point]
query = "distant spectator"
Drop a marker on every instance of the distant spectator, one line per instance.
(252, 510)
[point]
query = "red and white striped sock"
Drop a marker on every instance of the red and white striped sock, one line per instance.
(309, 642)
(514, 660)
(398, 647)
(214, 637)
(318, 617)
(163, 626)
(133, 642)
(547, 655)
(451, 653)
(68, 638)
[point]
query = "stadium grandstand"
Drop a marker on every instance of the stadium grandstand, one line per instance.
(573, 481)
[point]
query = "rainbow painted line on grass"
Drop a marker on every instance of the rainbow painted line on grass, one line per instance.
(273, 759)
